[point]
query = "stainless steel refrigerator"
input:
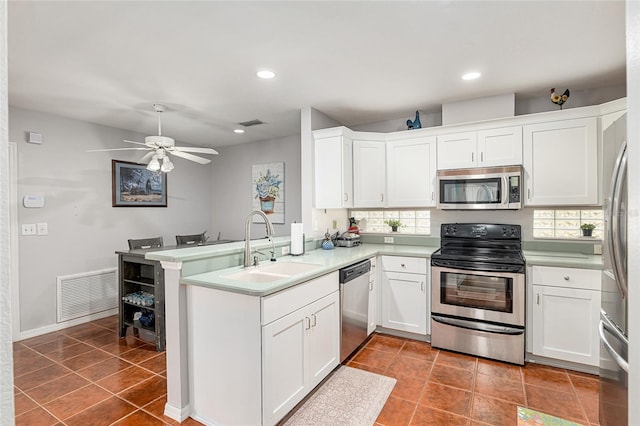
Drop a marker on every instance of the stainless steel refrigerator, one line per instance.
(614, 342)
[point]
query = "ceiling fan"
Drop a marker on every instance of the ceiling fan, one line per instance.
(160, 147)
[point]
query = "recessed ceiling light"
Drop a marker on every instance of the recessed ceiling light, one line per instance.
(471, 76)
(266, 74)
(238, 131)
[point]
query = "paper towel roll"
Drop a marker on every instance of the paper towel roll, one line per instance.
(297, 239)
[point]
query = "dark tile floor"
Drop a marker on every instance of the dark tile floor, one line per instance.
(86, 375)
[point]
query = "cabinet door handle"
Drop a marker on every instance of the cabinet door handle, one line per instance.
(313, 320)
(538, 298)
(528, 194)
(433, 195)
(346, 196)
(481, 156)
(402, 264)
(307, 323)
(422, 286)
(381, 198)
(566, 278)
(472, 157)
(370, 286)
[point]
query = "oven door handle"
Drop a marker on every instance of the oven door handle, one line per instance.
(478, 326)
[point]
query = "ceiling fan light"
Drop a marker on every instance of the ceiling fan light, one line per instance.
(154, 164)
(167, 165)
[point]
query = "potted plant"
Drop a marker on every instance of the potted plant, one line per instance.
(267, 190)
(394, 224)
(587, 229)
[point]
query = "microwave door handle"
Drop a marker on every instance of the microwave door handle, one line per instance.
(505, 190)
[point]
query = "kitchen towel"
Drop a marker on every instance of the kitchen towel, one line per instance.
(297, 239)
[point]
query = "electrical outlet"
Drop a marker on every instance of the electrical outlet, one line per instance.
(285, 250)
(597, 249)
(335, 224)
(388, 240)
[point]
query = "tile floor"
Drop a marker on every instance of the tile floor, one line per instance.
(443, 388)
(86, 375)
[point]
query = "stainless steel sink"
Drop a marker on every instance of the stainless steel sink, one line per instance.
(271, 272)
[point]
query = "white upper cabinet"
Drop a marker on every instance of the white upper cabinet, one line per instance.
(411, 172)
(500, 147)
(457, 150)
(333, 172)
(561, 163)
(369, 174)
(484, 148)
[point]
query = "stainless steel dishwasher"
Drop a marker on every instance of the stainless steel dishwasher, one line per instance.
(354, 306)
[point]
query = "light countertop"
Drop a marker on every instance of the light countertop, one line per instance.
(339, 257)
(330, 260)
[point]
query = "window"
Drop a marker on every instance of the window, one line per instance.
(413, 221)
(565, 223)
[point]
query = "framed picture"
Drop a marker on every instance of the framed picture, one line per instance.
(135, 186)
(267, 189)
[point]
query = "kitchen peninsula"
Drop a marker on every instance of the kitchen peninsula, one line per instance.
(198, 270)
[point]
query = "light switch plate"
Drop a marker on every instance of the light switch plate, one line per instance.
(43, 229)
(388, 240)
(597, 249)
(285, 250)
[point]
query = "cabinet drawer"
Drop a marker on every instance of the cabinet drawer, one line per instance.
(414, 265)
(566, 277)
(284, 302)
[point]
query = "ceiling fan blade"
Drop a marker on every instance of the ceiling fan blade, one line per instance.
(137, 143)
(195, 149)
(191, 157)
(146, 157)
(118, 149)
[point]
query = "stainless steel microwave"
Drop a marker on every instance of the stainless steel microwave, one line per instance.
(491, 188)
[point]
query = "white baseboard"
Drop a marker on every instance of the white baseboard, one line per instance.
(61, 326)
(179, 414)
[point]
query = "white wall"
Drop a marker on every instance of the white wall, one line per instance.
(6, 348)
(523, 105)
(233, 189)
(84, 229)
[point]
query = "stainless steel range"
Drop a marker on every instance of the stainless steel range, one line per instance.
(478, 291)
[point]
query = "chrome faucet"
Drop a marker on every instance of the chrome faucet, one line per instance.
(247, 237)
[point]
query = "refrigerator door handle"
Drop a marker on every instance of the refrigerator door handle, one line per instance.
(614, 239)
(615, 355)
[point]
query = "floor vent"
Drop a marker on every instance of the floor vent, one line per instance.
(88, 293)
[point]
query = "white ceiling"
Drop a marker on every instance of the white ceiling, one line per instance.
(107, 62)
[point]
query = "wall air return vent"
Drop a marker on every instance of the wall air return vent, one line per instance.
(251, 123)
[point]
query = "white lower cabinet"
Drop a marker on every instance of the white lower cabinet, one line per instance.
(565, 313)
(405, 294)
(299, 350)
(252, 359)
(373, 297)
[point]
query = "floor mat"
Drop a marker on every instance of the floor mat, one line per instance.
(529, 417)
(350, 397)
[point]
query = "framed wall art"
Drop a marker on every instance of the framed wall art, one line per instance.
(268, 191)
(135, 186)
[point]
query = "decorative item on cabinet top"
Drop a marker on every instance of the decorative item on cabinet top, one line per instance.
(415, 124)
(559, 99)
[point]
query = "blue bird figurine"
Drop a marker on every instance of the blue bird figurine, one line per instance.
(415, 124)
